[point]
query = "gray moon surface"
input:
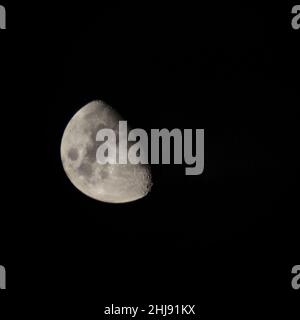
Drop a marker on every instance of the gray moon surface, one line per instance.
(113, 183)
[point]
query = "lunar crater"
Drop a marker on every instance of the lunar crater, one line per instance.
(73, 154)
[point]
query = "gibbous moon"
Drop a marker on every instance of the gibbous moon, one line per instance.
(114, 183)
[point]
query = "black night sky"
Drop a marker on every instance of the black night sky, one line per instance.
(226, 239)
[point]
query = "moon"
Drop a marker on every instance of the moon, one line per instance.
(113, 183)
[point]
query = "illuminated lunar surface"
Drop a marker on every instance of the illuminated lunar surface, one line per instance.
(114, 183)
